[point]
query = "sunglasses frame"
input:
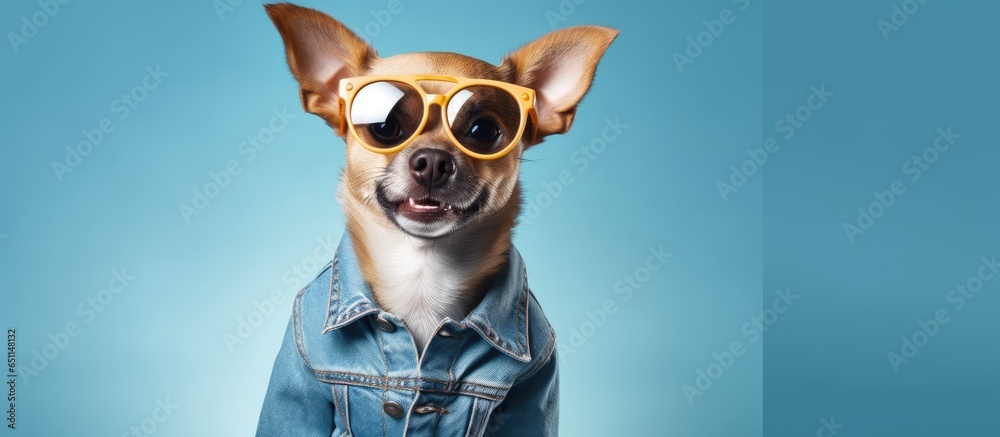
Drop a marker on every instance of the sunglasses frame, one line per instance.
(525, 97)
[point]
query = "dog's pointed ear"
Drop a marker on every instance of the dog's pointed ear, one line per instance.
(560, 67)
(320, 52)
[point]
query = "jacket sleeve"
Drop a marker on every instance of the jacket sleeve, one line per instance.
(531, 407)
(296, 403)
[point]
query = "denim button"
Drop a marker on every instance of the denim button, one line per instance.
(392, 409)
(385, 325)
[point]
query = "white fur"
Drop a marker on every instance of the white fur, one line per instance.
(421, 282)
(425, 280)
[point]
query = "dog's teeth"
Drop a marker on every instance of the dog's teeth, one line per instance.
(430, 205)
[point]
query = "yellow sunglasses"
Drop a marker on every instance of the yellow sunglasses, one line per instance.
(484, 118)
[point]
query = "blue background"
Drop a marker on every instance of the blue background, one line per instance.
(656, 185)
(891, 96)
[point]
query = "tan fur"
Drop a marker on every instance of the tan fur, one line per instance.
(313, 40)
(532, 63)
(312, 37)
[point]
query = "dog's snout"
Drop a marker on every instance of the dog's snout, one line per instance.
(432, 167)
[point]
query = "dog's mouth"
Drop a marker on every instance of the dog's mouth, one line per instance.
(426, 210)
(427, 216)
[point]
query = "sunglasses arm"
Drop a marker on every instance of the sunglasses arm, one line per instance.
(342, 128)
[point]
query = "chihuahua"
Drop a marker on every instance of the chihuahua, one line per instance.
(423, 323)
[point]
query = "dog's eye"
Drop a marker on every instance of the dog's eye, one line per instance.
(386, 132)
(484, 130)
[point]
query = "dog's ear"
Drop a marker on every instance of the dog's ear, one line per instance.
(560, 67)
(320, 52)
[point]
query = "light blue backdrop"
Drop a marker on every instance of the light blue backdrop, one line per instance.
(163, 336)
(663, 363)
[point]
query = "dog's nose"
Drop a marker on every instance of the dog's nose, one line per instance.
(432, 167)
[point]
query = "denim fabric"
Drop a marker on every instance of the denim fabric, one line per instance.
(345, 365)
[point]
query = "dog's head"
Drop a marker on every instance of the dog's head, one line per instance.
(437, 145)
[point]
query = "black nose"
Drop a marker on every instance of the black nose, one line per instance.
(432, 167)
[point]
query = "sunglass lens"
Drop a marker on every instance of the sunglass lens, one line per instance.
(484, 119)
(386, 114)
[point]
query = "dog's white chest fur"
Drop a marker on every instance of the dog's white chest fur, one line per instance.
(420, 282)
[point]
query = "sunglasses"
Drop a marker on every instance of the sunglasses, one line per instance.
(485, 119)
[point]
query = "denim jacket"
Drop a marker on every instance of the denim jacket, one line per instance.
(348, 368)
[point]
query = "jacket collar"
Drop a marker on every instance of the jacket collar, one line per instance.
(501, 318)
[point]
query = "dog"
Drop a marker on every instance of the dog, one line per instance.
(423, 324)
